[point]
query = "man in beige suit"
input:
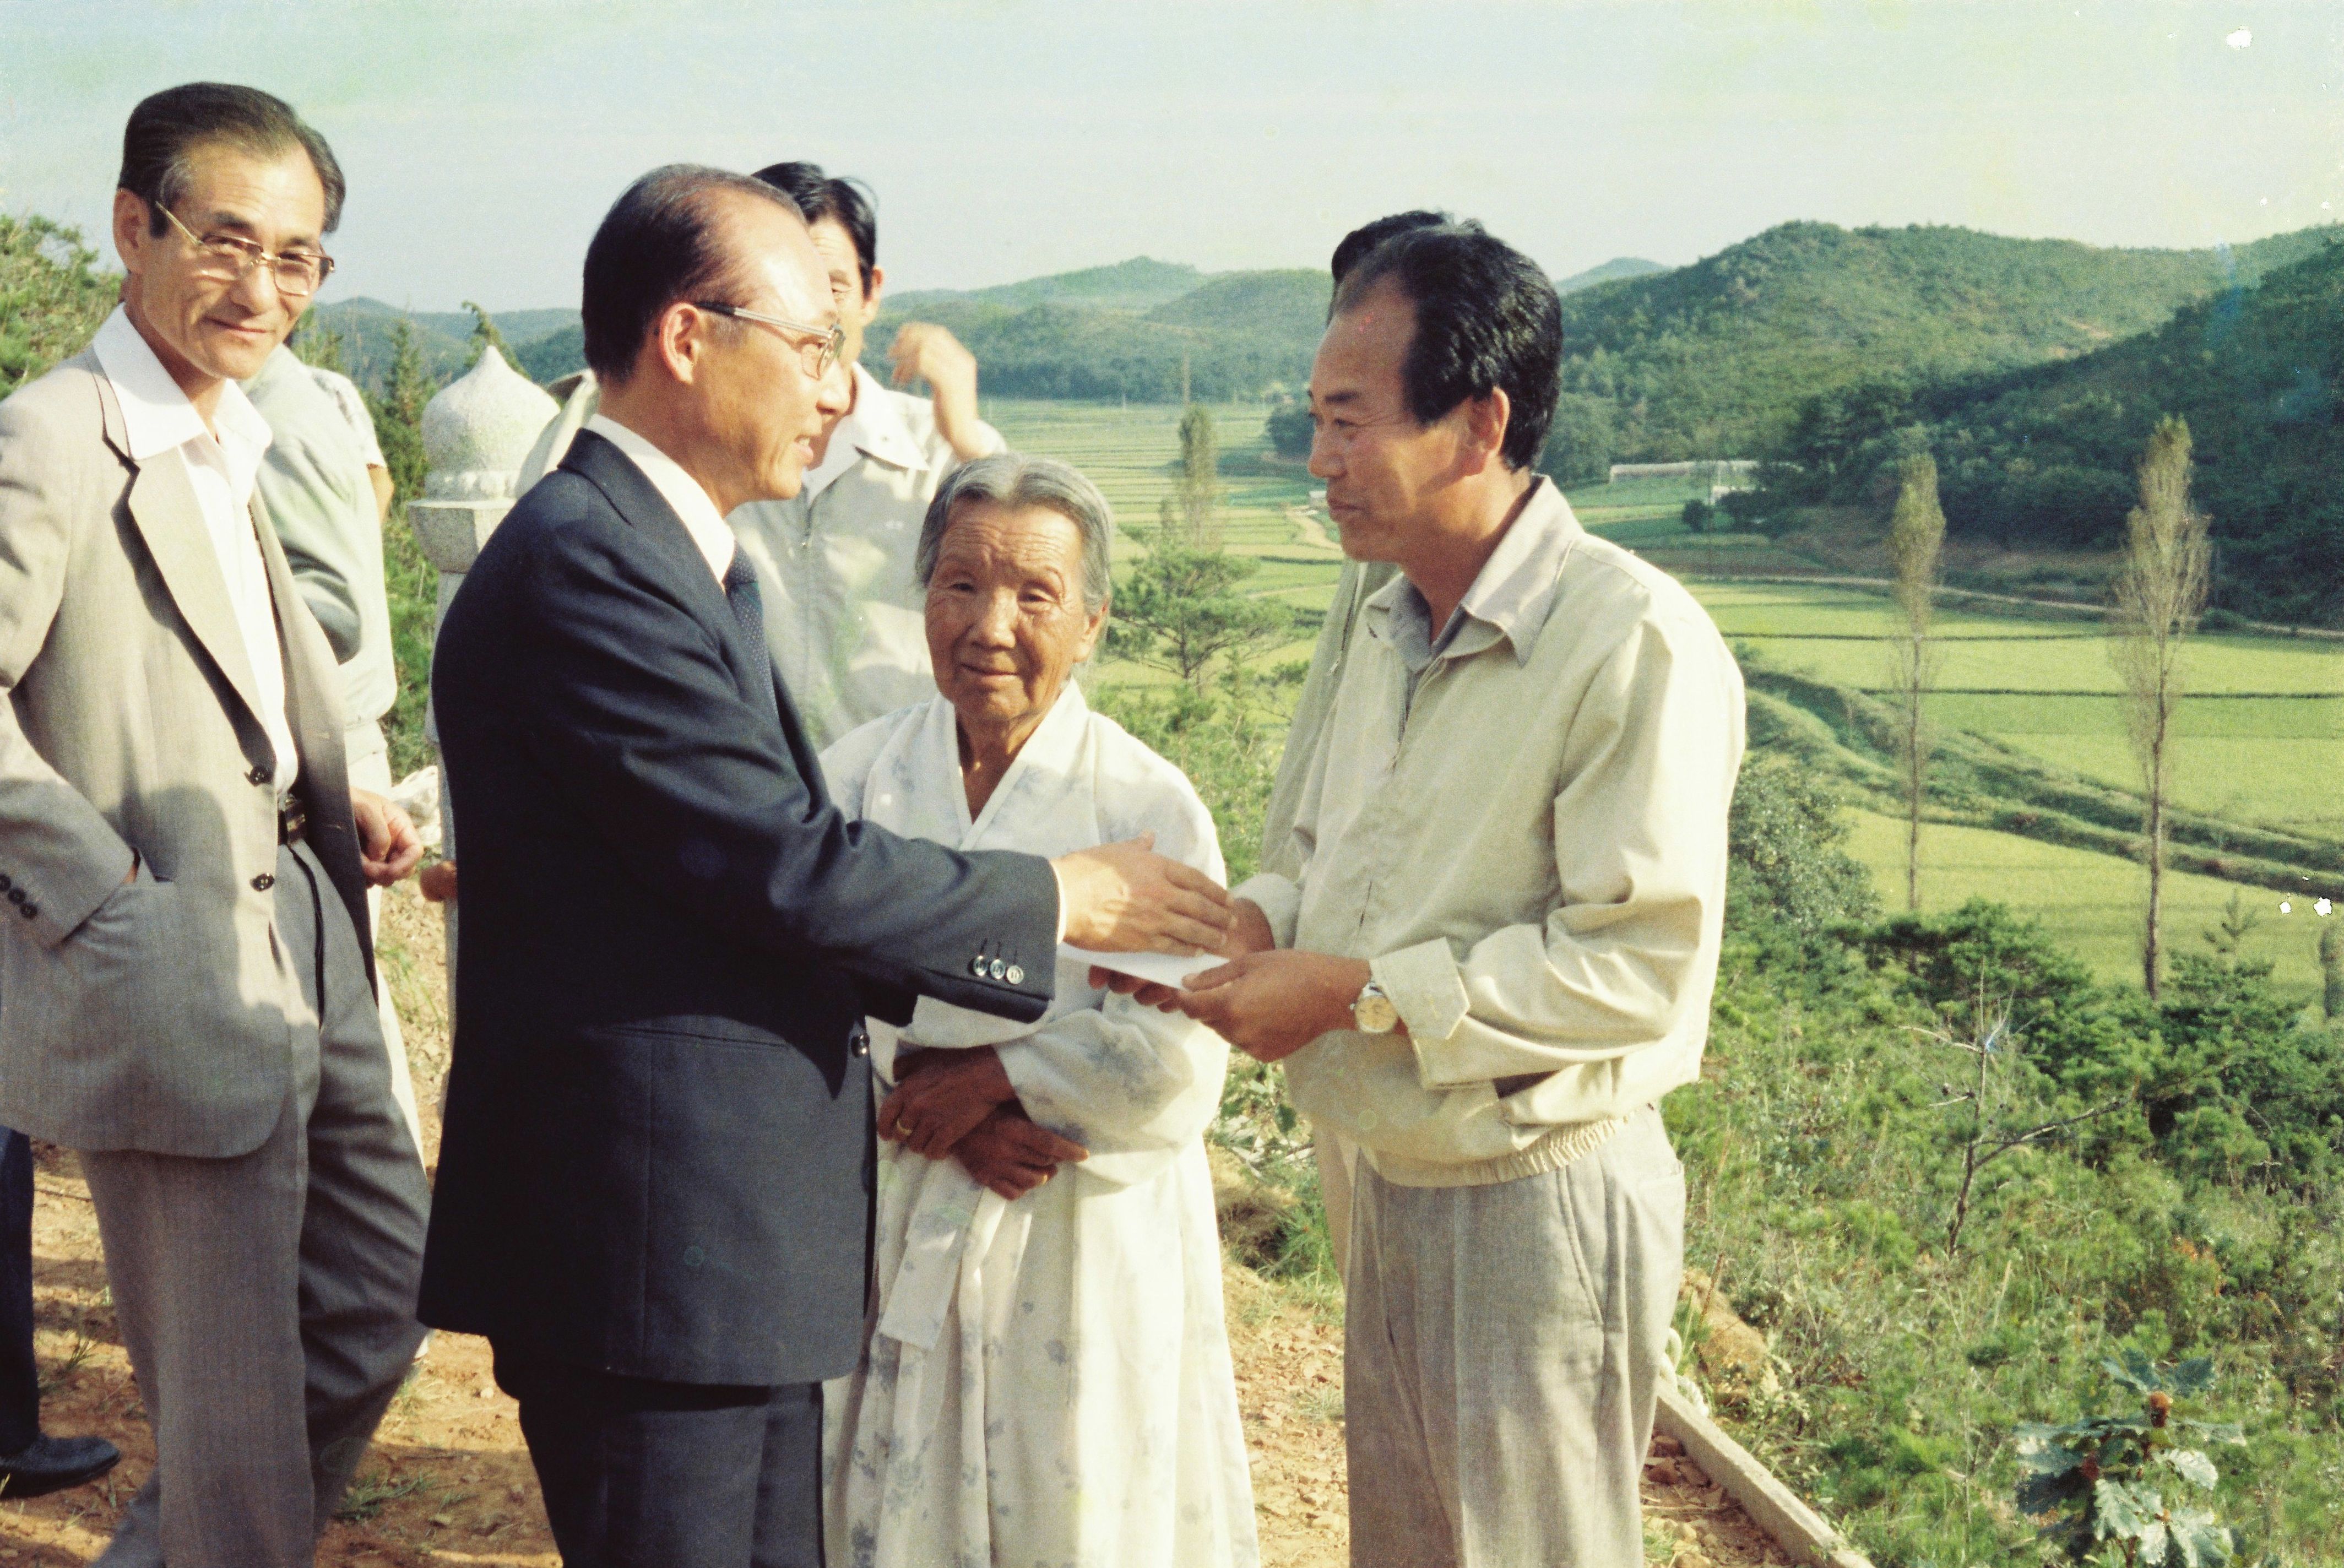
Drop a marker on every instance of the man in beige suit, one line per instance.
(186, 988)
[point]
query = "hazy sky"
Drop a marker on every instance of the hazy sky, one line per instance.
(1011, 137)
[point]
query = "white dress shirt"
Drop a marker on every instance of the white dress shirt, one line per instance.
(701, 520)
(221, 468)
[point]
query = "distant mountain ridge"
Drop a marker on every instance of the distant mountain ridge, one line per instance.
(1714, 358)
(1618, 267)
(1139, 284)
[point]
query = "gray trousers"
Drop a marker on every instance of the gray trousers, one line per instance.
(1502, 1349)
(268, 1301)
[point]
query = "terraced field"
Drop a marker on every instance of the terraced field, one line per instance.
(2261, 732)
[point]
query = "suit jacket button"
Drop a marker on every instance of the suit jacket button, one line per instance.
(976, 965)
(999, 969)
(5, 882)
(30, 910)
(16, 895)
(1016, 976)
(858, 1044)
(263, 883)
(694, 1256)
(257, 776)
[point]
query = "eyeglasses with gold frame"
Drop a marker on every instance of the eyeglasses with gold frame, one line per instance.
(297, 273)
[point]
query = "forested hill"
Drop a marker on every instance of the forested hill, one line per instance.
(1141, 283)
(1236, 334)
(1131, 329)
(2047, 456)
(1714, 358)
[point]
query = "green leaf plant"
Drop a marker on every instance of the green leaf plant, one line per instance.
(2126, 1489)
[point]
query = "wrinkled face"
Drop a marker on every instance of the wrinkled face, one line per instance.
(1383, 469)
(1007, 621)
(212, 327)
(760, 404)
(855, 305)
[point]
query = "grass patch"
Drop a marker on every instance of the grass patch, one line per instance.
(2095, 902)
(372, 1492)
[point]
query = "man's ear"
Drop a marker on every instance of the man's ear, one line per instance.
(131, 224)
(1487, 421)
(871, 295)
(680, 341)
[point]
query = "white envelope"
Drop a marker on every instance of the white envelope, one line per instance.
(1164, 968)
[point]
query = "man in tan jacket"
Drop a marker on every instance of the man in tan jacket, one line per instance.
(187, 990)
(1493, 947)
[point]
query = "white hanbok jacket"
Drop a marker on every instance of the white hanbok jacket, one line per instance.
(1047, 1380)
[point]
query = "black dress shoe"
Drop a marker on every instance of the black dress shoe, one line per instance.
(53, 1463)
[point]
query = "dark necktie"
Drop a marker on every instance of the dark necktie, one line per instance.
(748, 608)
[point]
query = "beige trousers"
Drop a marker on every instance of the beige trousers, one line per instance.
(1503, 1347)
(369, 764)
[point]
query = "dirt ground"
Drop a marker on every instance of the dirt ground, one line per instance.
(449, 1482)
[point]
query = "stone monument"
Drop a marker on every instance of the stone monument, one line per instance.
(477, 434)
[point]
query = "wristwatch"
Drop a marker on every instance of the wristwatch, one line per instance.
(1372, 1012)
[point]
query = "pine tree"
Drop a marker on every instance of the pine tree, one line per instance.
(319, 345)
(2159, 593)
(399, 412)
(1916, 539)
(485, 337)
(1182, 611)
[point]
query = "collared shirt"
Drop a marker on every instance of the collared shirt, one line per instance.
(221, 468)
(844, 616)
(875, 427)
(1508, 600)
(681, 492)
(1524, 835)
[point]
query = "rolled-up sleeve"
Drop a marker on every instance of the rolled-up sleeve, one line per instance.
(1277, 898)
(1639, 860)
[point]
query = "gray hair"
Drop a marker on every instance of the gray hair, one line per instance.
(1014, 480)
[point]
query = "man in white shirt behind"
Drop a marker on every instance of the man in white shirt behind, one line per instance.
(843, 610)
(326, 491)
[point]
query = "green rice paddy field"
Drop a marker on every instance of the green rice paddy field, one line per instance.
(2261, 735)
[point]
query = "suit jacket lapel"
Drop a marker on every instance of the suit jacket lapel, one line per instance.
(171, 520)
(609, 471)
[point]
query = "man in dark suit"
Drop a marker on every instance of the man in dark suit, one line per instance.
(656, 1180)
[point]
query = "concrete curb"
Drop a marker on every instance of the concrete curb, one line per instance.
(1772, 1506)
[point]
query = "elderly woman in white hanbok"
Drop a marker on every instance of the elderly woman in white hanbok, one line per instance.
(1046, 1378)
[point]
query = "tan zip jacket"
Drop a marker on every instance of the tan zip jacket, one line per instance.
(1527, 841)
